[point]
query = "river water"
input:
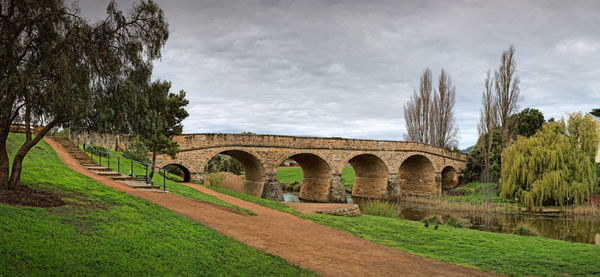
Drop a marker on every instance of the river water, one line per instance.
(583, 229)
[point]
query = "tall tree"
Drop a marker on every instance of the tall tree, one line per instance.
(595, 112)
(59, 69)
(416, 111)
(488, 121)
(429, 113)
(506, 84)
(444, 129)
(162, 120)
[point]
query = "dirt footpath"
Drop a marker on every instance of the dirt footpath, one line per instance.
(300, 242)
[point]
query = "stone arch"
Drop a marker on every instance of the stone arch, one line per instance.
(254, 171)
(187, 176)
(417, 176)
(449, 178)
(371, 176)
(316, 179)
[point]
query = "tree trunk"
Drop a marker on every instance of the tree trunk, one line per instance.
(17, 165)
(4, 163)
(152, 168)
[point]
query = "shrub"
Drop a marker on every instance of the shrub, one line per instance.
(98, 150)
(216, 179)
(455, 222)
(137, 151)
(380, 208)
(524, 230)
(434, 219)
(487, 190)
(459, 191)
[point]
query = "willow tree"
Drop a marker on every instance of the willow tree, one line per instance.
(556, 164)
(58, 69)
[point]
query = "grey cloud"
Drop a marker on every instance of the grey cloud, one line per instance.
(346, 68)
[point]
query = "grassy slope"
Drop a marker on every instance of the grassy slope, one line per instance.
(105, 232)
(493, 252)
(291, 174)
(125, 166)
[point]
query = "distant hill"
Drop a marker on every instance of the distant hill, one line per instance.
(468, 149)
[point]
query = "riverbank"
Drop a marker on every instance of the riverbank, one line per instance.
(499, 253)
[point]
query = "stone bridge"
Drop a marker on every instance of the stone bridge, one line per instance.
(383, 168)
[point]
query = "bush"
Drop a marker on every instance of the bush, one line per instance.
(459, 192)
(216, 179)
(487, 190)
(523, 230)
(434, 219)
(380, 208)
(137, 151)
(455, 222)
(98, 150)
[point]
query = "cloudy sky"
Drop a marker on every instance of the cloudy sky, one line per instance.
(346, 68)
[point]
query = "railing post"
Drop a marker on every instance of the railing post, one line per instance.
(164, 179)
(147, 181)
(100, 156)
(119, 164)
(108, 157)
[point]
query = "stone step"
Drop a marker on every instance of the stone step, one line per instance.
(107, 173)
(140, 185)
(99, 168)
(123, 178)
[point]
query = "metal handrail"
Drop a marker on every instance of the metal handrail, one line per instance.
(91, 148)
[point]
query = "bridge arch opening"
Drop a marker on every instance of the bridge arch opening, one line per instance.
(178, 170)
(449, 178)
(417, 176)
(253, 172)
(370, 176)
(313, 173)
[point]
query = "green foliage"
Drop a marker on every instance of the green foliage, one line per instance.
(434, 219)
(79, 74)
(221, 163)
(216, 179)
(556, 164)
(455, 222)
(595, 112)
(459, 191)
(98, 150)
(380, 208)
(104, 232)
(137, 151)
(529, 121)
(524, 230)
(475, 169)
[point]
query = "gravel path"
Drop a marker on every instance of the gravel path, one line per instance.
(300, 242)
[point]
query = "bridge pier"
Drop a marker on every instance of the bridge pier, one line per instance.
(197, 177)
(337, 191)
(393, 188)
(272, 188)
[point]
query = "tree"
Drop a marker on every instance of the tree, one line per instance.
(488, 121)
(595, 112)
(60, 70)
(556, 164)
(429, 114)
(529, 121)
(506, 85)
(162, 120)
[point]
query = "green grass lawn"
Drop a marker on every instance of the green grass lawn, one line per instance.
(499, 253)
(124, 167)
(291, 174)
(110, 233)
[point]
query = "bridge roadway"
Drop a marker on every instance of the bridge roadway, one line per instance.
(383, 168)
